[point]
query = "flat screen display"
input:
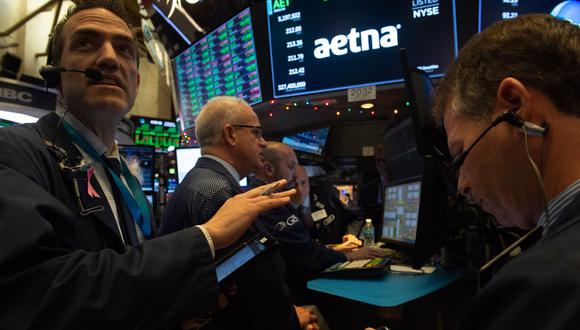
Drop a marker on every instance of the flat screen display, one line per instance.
(144, 156)
(401, 212)
(186, 159)
(491, 11)
(224, 62)
(312, 141)
(318, 45)
(239, 259)
(158, 133)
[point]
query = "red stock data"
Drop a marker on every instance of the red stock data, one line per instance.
(222, 63)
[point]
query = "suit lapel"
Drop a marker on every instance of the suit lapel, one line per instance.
(46, 128)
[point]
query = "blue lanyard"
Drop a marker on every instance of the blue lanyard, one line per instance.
(135, 199)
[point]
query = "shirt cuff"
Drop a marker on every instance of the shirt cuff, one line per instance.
(209, 240)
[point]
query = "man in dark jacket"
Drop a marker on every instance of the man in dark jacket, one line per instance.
(511, 108)
(73, 220)
(230, 137)
(304, 256)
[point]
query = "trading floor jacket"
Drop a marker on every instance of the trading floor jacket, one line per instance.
(262, 300)
(540, 289)
(62, 270)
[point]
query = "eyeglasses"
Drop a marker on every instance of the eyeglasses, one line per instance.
(257, 130)
(508, 116)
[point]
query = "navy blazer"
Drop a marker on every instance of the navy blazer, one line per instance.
(540, 289)
(304, 257)
(62, 270)
(262, 300)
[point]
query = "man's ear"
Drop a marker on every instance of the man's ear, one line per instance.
(512, 94)
(269, 169)
(229, 134)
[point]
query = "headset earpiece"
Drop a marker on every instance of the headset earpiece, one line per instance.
(48, 72)
(513, 119)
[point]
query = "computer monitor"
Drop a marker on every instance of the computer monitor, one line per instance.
(401, 212)
(223, 62)
(162, 134)
(144, 156)
(186, 158)
(311, 141)
(323, 46)
(418, 187)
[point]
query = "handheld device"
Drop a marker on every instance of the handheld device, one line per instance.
(259, 246)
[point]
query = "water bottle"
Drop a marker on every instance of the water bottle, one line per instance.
(368, 233)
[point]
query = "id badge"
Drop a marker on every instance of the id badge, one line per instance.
(319, 215)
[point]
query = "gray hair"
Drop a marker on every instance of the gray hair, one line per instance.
(541, 51)
(214, 115)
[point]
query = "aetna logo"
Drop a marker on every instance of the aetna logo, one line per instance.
(357, 41)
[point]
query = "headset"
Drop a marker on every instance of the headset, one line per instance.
(527, 127)
(51, 73)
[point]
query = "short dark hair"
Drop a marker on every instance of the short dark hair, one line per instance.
(117, 7)
(540, 50)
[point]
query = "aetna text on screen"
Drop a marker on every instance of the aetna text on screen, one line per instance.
(369, 39)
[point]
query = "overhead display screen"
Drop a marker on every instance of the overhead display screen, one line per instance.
(318, 45)
(491, 11)
(158, 133)
(222, 63)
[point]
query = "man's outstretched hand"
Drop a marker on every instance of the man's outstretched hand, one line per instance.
(238, 212)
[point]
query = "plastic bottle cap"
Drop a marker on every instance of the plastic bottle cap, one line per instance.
(368, 220)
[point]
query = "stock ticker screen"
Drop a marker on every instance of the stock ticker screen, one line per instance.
(491, 11)
(319, 46)
(160, 134)
(222, 63)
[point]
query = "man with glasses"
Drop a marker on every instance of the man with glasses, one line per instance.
(77, 239)
(511, 107)
(230, 136)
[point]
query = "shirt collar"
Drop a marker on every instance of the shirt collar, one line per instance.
(558, 204)
(305, 204)
(87, 134)
(227, 165)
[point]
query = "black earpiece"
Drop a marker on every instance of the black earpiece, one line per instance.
(513, 119)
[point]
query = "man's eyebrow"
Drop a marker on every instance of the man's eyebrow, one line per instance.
(88, 32)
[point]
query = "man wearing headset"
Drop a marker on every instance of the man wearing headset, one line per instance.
(73, 220)
(511, 107)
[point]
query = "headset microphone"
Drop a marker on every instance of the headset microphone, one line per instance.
(51, 74)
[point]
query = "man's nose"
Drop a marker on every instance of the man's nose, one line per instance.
(108, 58)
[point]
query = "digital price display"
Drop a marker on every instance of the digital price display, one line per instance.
(491, 11)
(155, 132)
(319, 46)
(222, 63)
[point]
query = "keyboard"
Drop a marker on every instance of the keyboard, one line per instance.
(395, 256)
(365, 268)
